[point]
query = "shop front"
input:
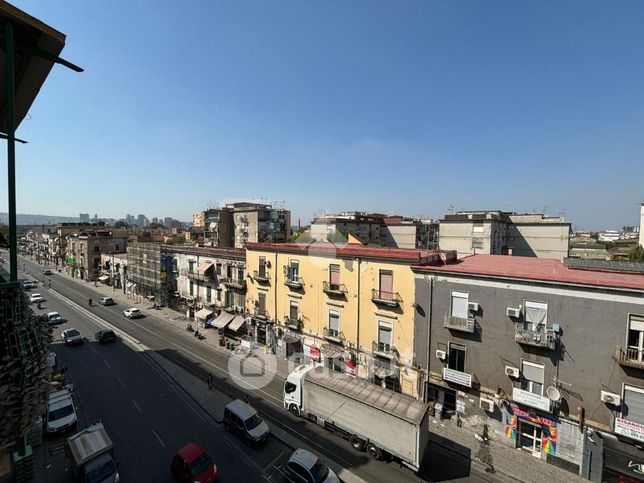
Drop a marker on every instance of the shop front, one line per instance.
(623, 461)
(530, 432)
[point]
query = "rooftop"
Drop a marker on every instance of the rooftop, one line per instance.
(538, 269)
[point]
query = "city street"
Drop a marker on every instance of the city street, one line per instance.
(149, 417)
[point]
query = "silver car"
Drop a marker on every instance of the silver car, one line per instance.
(304, 467)
(72, 337)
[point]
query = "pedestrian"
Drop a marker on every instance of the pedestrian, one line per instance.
(209, 380)
(246, 398)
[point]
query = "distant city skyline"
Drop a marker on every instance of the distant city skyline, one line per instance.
(398, 108)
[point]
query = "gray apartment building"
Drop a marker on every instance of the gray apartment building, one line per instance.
(503, 233)
(548, 355)
(84, 250)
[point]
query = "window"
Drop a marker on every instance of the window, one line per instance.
(230, 299)
(384, 336)
(293, 312)
(261, 301)
(536, 315)
(334, 323)
(117, 248)
(241, 300)
(635, 343)
(218, 295)
(192, 288)
(459, 306)
(386, 284)
(208, 294)
(262, 266)
(240, 275)
(97, 249)
(218, 268)
(477, 243)
(477, 227)
(191, 266)
(532, 377)
(456, 360)
(633, 404)
(294, 270)
(334, 276)
(289, 387)
(229, 271)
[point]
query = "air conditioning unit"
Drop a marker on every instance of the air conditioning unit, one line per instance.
(441, 354)
(513, 312)
(610, 398)
(512, 371)
(488, 404)
(473, 306)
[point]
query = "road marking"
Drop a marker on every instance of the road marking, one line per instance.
(136, 406)
(107, 364)
(156, 435)
(120, 381)
(94, 350)
(272, 463)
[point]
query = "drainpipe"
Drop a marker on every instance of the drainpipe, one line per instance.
(275, 289)
(358, 320)
(429, 332)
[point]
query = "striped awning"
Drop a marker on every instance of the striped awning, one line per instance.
(223, 320)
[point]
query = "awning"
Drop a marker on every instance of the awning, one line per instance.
(204, 266)
(223, 320)
(102, 278)
(236, 323)
(383, 372)
(130, 285)
(331, 352)
(290, 339)
(203, 314)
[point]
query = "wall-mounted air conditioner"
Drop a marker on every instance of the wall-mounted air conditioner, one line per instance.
(473, 306)
(441, 354)
(512, 371)
(513, 312)
(610, 398)
(488, 404)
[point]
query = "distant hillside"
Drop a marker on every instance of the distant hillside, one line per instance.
(26, 219)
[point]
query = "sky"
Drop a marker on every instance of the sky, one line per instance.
(414, 107)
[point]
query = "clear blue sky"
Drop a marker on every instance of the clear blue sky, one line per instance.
(405, 107)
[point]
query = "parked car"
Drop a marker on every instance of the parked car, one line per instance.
(54, 318)
(28, 284)
(61, 413)
(305, 467)
(105, 335)
(192, 464)
(244, 421)
(72, 337)
(133, 313)
(34, 298)
(47, 272)
(107, 301)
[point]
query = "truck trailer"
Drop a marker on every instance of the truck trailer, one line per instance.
(371, 417)
(90, 452)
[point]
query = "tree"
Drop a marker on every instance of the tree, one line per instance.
(636, 254)
(120, 224)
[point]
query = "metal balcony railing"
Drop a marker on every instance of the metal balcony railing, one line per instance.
(382, 349)
(334, 335)
(458, 323)
(541, 337)
(337, 289)
(233, 282)
(629, 356)
(200, 277)
(294, 282)
(295, 324)
(381, 297)
(262, 276)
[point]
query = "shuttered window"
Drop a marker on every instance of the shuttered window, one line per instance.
(459, 304)
(633, 404)
(532, 377)
(334, 274)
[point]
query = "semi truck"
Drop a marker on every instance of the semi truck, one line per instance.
(372, 418)
(91, 455)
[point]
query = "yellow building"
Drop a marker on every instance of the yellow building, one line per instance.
(349, 306)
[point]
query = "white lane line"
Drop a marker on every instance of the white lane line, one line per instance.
(107, 364)
(136, 406)
(272, 463)
(120, 381)
(156, 435)
(94, 350)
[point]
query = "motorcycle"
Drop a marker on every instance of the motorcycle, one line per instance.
(189, 327)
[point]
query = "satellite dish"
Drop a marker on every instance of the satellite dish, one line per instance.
(553, 393)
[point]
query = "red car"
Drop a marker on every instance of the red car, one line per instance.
(191, 463)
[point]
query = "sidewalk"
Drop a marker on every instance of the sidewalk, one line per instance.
(510, 463)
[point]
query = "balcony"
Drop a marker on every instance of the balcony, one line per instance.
(233, 282)
(629, 356)
(261, 314)
(294, 282)
(390, 299)
(383, 350)
(537, 338)
(334, 289)
(458, 323)
(457, 377)
(294, 324)
(334, 335)
(261, 276)
(199, 277)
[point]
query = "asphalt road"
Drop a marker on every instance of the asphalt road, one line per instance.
(142, 408)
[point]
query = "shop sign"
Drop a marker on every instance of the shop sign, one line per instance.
(530, 399)
(312, 352)
(630, 429)
(533, 418)
(457, 377)
(349, 366)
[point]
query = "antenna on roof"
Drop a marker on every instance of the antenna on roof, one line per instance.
(451, 208)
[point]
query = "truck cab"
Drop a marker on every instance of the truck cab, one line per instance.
(293, 389)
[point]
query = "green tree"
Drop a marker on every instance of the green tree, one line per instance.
(636, 254)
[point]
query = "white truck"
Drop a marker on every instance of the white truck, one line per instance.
(372, 418)
(90, 452)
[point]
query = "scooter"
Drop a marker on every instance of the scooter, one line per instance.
(189, 327)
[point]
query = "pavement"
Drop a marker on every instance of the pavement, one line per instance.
(447, 441)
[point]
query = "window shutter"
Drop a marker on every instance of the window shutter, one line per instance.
(384, 334)
(633, 405)
(459, 304)
(533, 372)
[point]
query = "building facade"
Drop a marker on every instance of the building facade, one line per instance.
(146, 272)
(350, 307)
(550, 358)
(84, 250)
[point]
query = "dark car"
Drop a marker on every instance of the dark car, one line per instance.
(192, 464)
(105, 335)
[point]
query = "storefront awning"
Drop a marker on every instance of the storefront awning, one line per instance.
(203, 314)
(204, 266)
(103, 278)
(223, 320)
(290, 339)
(383, 372)
(330, 352)
(236, 323)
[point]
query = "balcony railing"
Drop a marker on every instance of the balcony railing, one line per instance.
(262, 314)
(537, 338)
(261, 276)
(294, 282)
(629, 356)
(233, 282)
(200, 277)
(391, 299)
(334, 335)
(383, 350)
(295, 324)
(337, 289)
(458, 323)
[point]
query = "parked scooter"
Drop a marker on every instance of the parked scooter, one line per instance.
(189, 327)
